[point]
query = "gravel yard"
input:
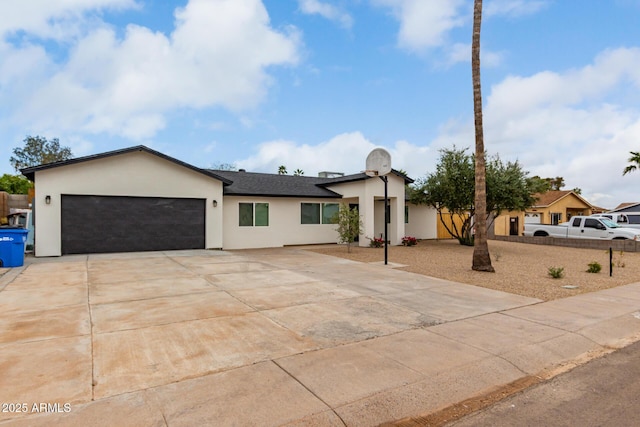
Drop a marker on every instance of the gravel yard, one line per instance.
(520, 268)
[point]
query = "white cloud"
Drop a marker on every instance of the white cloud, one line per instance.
(592, 82)
(345, 153)
(579, 123)
(514, 8)
(554, 123)
(217, 55)
(326, 10)
(424, 24)
(461, 52)
(571, 124)
(59, 20)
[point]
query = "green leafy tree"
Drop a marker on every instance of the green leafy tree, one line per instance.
(451, 191)
(298, 172)
(38, 151)
(539, 185)
(507, 188)
(481, 258)
(542, 185)
(282, 170)
(634, 159)
(349, 224)
(556, 183)
(15, 184)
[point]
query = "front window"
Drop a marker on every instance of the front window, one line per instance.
(329, 210)
(318, 213)
(310, 213)
(262, 214)
(251, 214)
(246, 214)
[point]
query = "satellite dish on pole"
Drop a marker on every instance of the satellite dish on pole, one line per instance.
(378, 162)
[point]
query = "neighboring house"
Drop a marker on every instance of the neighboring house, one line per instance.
(632, 207)
(137, 199)
(552, 207)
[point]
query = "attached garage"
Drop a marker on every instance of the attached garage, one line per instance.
(129, 200)
(99, 224)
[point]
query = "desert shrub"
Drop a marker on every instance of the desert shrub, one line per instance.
(409, 241)
(594, 267)
(556, 272)
(376, 242)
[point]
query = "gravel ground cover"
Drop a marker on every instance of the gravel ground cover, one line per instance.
(521, 269)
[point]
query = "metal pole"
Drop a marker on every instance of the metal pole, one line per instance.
(610, 262)
(386, 219)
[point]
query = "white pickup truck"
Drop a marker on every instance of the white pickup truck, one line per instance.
(584, 227)
(629, 220)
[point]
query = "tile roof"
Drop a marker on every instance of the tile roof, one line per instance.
(552, 196)
(549, 197)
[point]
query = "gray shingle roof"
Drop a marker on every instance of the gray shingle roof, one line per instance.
(235, 182)
(362, 176)
(272, 185)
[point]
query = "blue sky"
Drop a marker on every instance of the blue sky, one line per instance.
(317, 84)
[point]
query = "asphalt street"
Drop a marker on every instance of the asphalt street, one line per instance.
(603, 392)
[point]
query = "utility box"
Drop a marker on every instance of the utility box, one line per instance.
(12, 242)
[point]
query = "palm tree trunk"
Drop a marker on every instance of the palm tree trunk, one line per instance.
(481, 257)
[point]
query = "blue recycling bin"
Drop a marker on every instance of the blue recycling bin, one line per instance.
(12, 242)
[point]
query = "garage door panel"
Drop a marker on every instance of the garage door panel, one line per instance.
(97, 224)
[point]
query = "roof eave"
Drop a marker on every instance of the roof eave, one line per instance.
(30, 171)
(290, 196)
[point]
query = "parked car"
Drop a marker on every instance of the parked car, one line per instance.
(583, 227)
(627, 220)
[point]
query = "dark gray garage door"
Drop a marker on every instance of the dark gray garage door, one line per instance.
(97, 224)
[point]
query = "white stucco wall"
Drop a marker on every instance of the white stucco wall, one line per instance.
(130, 174)
(422, 222)
(284, 227)
(368, 192)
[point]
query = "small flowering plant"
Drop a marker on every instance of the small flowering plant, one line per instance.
(409, 241)
(376, 242)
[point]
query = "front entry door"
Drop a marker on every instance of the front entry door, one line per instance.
(514, 226)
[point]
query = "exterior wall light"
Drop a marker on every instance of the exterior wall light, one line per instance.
(47, 199)
(215, 203)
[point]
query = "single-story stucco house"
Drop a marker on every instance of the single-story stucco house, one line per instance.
(551, 207)
(138, 199)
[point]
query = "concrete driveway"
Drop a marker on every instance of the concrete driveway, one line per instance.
(263, 337)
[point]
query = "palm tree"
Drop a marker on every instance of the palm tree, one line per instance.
(282, 170)
(481, 257)
(635, 162)
(298, 172)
